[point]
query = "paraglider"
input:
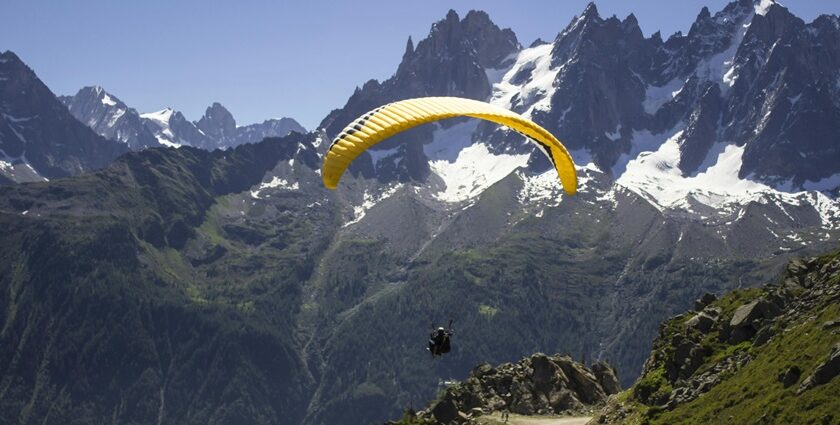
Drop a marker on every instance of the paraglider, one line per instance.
(388, 120)
(440, 340)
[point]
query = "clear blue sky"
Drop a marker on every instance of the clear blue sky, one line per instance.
(266, 59)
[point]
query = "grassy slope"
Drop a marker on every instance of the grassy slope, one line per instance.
(753, 392)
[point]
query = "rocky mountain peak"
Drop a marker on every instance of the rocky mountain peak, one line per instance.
(453, 36)
(109, 117)
(772, 23)
(704, 15)
(38, 136)
(590, 33)
(451, 61)
(217, 122)
(631, 22)
(409, 49)
(590, 11)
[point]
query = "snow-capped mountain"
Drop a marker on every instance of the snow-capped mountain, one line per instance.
(171, 128)
(110, 117)
(39, 139)
(741, 109)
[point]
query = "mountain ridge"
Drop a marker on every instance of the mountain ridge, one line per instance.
(39, 139)
(216, 129)
(453, 219)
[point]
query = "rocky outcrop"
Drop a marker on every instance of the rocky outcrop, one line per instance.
(537, 385)
(749, 318)
(726, 339)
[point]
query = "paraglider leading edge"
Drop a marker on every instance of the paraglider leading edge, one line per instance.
(388, 120)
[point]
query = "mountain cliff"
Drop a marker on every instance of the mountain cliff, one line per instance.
(39, 139)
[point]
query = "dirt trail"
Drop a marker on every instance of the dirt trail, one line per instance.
(538, 420)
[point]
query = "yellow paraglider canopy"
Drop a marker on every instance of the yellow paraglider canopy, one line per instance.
(385, 121)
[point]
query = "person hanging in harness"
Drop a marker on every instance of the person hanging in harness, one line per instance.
(439, 340)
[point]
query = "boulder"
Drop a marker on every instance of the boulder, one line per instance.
(790, 376)
(482, 369)
(703, 301)
(702, 321)
(825, 372)
(748, 318)
(831, 324)
(763, 336)
(445, 411)
(564, 400)
(544, 369)
(581, 380)
(476, 412)
(606, 377)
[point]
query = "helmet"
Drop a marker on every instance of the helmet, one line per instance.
(441, 328)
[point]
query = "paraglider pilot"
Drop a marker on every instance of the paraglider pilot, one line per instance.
(439, 340)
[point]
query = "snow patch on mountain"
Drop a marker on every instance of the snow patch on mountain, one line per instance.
(643, 142)
(656, 176)
(447, 142)
(369, 200)
(475, 169)
(379, 154)
(107, 101)
(18, 169)
(160, 117)
(542, 188)
(657, 96)
(615, 135)
(275, 183)
(466, 169)
(763, 6)
(164, 134)
(545, 190)
(721, 68)
(533, 65)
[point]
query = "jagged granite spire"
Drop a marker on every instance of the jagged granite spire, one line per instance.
(409, 49)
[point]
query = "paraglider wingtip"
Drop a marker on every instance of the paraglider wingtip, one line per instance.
(330, 185)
